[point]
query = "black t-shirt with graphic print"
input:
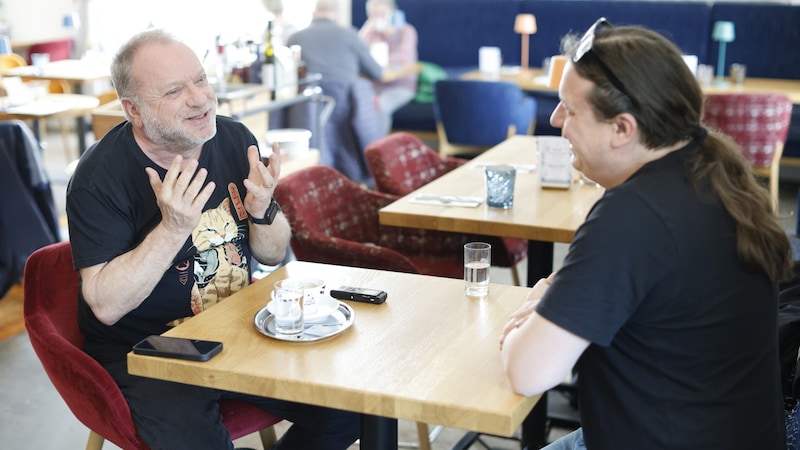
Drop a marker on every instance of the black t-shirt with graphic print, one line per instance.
(111, 208)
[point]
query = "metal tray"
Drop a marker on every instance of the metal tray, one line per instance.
(340, 320)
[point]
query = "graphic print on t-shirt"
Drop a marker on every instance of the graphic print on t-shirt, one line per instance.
(220, 269)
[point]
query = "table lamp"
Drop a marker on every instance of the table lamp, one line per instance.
(723, 33)
(525, 24)
(71, 21)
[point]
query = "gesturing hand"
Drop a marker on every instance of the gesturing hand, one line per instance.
(260, 182)
(181, 196)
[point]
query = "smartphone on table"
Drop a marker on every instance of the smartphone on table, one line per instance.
(359, 294)
(181, 348)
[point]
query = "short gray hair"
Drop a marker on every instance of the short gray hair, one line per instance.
(122, 65)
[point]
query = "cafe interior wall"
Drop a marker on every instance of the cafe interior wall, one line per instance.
(103, 28)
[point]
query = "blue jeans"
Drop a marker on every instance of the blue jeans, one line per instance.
(572, 441)
(180, 416)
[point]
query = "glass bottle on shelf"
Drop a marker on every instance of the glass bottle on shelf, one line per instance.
(268, 63)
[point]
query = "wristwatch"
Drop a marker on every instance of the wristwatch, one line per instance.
(272, 211)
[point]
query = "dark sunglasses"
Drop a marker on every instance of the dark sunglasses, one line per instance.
(585, 48)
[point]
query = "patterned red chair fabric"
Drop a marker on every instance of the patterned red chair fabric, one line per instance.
(759, 123)
(335, 221)
(50, 312)
(401, 163)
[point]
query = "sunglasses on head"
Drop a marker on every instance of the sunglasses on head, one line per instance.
(585, 48)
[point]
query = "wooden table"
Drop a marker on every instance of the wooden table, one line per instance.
(428, 354)
(53, 106)
(543, 216)
(535, 80)
(73, 71)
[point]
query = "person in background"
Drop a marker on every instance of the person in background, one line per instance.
(666, 301)
(333, 50)
(341, 57)
(386, 28)
(165, 212)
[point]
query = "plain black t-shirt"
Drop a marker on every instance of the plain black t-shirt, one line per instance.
(111, 208)
(683, 351)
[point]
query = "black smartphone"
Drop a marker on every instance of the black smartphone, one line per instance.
(172, 347)
(358, 294)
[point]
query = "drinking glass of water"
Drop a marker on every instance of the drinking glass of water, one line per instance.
(477, 259)
(288, 298)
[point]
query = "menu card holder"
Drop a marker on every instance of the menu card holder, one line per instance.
(555, 162)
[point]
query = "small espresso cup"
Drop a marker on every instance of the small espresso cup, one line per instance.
(287, 297)
(314, 290)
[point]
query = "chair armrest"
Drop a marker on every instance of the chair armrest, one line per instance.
(453, 162)
(319, 247)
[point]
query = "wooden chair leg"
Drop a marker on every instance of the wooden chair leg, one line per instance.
(95, 441)
(268, 437)
(422, 436)
(515, 275)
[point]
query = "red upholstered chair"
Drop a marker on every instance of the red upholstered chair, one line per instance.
(759, 123)
(58, 50)
(335, 221)
(400, 163)
(50, 310)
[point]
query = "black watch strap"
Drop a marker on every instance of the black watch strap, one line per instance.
(272, 211)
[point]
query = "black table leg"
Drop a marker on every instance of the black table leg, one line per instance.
(534, 427)
(540, 261)
(378, 433)
(80, 122)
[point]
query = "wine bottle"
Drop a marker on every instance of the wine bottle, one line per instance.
(268, 66)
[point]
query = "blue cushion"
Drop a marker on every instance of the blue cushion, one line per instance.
(414, 116)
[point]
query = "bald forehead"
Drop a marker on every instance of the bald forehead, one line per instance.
(156, 54)
(163, 63)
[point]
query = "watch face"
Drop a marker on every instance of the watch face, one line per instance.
(269, 216)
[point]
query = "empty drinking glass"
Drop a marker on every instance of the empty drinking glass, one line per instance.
(500, 186)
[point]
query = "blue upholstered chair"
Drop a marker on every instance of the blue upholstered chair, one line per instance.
(472, 116)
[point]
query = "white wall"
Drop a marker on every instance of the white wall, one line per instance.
(111, 21)
(37, 20)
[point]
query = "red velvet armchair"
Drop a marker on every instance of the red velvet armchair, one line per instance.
(335, 221)
(400, 163)
(50, 312)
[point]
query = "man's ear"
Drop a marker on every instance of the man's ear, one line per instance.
(131, 111)
(625, 128)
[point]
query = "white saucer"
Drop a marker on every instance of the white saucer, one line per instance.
(325, 307)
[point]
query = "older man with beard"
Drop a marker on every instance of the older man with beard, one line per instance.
(165, 213)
